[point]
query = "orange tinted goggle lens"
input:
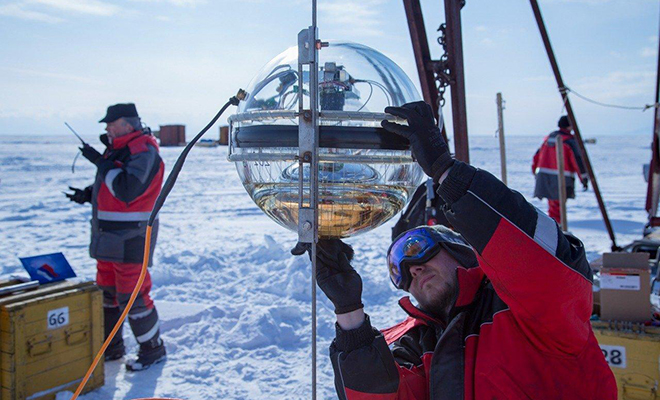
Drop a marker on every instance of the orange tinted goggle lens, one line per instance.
(412, 246)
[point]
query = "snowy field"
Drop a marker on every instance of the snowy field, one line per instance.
(235, 306)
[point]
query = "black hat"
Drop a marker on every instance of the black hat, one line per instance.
(563, 122)
(124, 110)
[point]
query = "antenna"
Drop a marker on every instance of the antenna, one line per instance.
(74, 132)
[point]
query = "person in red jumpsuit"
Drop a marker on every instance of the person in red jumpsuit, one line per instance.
(129, 177)
(544, 168)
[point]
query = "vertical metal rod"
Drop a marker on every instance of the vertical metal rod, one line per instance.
(314, 15)
(572, 119)
(422, 53)
(653, 190)
(308, 135)
(314, 177)
(500, 134)
(455, 59)
(561, 181)
(425, 66)
(423, 60)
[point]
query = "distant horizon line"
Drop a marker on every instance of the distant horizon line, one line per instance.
(45, 135)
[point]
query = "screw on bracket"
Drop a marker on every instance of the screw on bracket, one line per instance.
(307, 157)
(307, 115)
(307, 225)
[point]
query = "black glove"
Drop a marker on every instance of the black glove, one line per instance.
(585, 184)
(428, 145)
(80, 196)
(90, 153)
(334, 274)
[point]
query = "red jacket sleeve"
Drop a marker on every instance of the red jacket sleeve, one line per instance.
(366, 369)
(580, 169)
(535, 161)
(541, 273)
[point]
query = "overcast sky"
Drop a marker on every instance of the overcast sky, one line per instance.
(180, 60)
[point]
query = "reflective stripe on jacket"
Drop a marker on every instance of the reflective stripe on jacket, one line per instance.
(122, 198)
(544, 166)
(519, 327)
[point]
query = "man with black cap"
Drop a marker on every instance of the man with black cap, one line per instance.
(544, 168)
(128, 180)
(502, 308)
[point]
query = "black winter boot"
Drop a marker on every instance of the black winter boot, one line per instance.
(151, 352)
(116, 349)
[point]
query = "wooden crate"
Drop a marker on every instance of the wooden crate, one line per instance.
(633, 353)
(48, 339)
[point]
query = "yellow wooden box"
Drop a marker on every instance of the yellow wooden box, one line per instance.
(48, 339)
(633, 353)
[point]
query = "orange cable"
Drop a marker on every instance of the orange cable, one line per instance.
(138, 286)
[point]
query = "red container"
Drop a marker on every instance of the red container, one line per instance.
(172, 135)
(224, 135)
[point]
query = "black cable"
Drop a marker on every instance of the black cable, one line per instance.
(171, 179)
(73, 165)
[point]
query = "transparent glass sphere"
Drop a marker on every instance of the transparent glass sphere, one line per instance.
(352, 77)
(366, 174)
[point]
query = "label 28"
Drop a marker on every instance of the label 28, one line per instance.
(614, 355)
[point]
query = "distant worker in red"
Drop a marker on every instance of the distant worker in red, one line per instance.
(544, 167)
(128, 180)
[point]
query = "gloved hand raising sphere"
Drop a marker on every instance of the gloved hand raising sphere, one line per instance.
(428, 146)
(334, 273)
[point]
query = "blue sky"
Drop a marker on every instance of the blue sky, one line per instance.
(179, 60)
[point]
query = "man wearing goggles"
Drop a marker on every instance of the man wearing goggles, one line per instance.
(503, 307)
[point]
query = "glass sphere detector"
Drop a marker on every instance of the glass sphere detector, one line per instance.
(366, 174)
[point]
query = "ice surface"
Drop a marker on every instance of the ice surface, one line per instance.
(235, 306)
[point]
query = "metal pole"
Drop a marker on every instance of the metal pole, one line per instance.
(561, 181)
(423, 57)
(422, 53)
(653, 191)
(572, 119)
(500, 133)
(455, 59)
(314, 178)
(308, 139)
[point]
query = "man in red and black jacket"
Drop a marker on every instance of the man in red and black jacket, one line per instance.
(128, 180)
(502, 309)
(545, 169)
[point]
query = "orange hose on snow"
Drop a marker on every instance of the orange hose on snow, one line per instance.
(131, 300)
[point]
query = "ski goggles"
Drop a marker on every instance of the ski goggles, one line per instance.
(416, 246)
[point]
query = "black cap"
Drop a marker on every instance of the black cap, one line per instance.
(563, 122)
(123, 110)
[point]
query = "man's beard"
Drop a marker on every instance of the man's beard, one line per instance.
(438, 305)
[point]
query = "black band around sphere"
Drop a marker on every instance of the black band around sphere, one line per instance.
(342, 137)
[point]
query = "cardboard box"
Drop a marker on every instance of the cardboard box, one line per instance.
(625, 287)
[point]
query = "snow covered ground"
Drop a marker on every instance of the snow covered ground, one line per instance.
(235, 306)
